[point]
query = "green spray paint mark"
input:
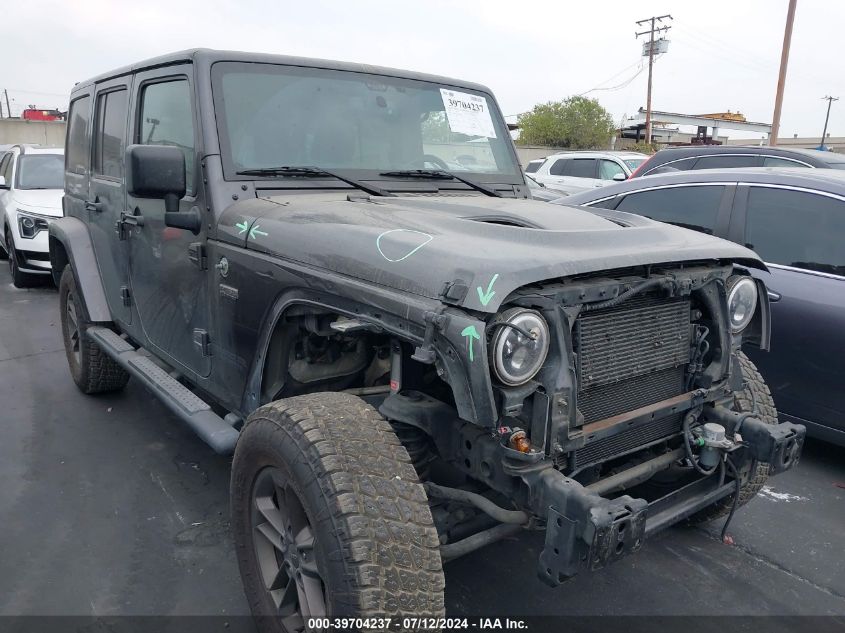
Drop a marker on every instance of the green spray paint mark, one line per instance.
(254, 231)
(243, 226)
(470, 333)
(485, 297)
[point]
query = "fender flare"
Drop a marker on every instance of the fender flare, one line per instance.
(70, 243)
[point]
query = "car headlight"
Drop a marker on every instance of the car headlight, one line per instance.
(742, 302)
(29, 225)
(519, 346)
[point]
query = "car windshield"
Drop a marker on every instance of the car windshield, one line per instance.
(40, 171)
(269, 115)
(633, 163)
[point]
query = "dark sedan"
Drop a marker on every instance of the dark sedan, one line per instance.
(736, 156)
(795, 220)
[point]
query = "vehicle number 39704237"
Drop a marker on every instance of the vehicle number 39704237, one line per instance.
(382, 624)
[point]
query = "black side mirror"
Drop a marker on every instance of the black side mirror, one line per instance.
(158, 171)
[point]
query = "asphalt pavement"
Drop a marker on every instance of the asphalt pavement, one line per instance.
(110, 506)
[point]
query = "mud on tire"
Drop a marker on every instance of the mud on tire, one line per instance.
(756, 475)
(93, 371)
(377, 549)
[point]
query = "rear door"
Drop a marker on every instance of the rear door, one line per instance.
(800, 235)
(581, 174)
(106, 197)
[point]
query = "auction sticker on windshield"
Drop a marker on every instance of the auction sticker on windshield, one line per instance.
(468, 113)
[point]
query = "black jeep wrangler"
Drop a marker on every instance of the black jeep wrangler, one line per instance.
(337, 273)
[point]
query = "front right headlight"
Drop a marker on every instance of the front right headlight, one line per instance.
(29, 224)
(742, 302)
(519, 346)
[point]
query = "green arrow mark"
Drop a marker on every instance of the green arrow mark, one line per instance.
(243, 226)
(254, 231)
(485, 297)
(470, 333)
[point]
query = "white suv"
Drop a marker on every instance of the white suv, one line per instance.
(573, 172)
(31, 189)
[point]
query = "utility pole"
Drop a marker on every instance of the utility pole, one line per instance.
(826, 118)
(8, 107)
(784, 61)
(655, 21)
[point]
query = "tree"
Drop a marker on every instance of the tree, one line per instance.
(576, 123)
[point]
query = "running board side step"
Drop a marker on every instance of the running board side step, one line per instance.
(195, 412)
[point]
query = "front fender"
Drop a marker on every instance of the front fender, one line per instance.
(70, 243)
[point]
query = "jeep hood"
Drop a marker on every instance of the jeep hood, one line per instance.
(490, 245)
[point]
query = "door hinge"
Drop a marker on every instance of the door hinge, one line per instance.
(202, 341)
(196, 253)
(126, 296)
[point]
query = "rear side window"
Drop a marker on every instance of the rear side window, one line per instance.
(76, 154)
(6, 168)
(533, 166)
(559, 167)
(796, 228)
(166, 119)
(581, 168)
(690, 207)
(726, 162)
(775, 161)
(110, 134)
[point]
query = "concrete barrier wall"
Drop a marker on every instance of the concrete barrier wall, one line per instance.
(49, 133)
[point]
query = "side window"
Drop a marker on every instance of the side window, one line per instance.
(581, 168)
(6, 168)
(726, 162)
(533, 166)
(610, 203)
(609, 168)
(76, 156)
(796, 228)
(110, 134)
(690, 207)
(166, 118)
(775, 161)
(665, 168)
(559, 167)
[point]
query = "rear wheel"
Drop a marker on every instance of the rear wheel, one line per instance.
(93, 371)
(754, 475)
(19, 278)
(329, 516)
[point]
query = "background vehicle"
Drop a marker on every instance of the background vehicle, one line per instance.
(734, 156)
(389, 348)
(795, 220)
(539, 191)
(31, 183)
(577, 171)
(534, 165)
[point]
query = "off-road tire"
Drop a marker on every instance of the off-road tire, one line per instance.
(93, 371)
(19, 278)
(758, 472)
(376, 545)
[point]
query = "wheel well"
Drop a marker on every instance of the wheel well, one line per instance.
(58, 258)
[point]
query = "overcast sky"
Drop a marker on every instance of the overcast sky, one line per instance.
(723, 55)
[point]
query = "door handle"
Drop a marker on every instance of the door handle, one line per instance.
(773, 296)
(94, 205)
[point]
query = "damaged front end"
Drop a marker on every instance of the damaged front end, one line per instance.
(626, 425)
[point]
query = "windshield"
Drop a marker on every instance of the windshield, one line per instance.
(270, 115)
(40, 171)
(633, 163)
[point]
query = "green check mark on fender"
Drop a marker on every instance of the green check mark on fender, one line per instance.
(485, 297)
(470, 333)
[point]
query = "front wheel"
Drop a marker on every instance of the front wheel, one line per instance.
(753, 476)
(329, 516)
(19, 278)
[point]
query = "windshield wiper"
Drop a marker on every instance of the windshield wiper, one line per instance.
(442, 174)
(312, 172)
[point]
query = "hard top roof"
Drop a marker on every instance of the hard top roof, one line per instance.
(209, 56)
(698, 150)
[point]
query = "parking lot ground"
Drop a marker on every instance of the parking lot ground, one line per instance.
(110, 506)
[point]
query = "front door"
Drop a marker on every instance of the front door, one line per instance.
(107, 192)
(168, 276)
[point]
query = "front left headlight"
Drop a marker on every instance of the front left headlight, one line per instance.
(519, 346)
(30, 224)
(742, 302)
